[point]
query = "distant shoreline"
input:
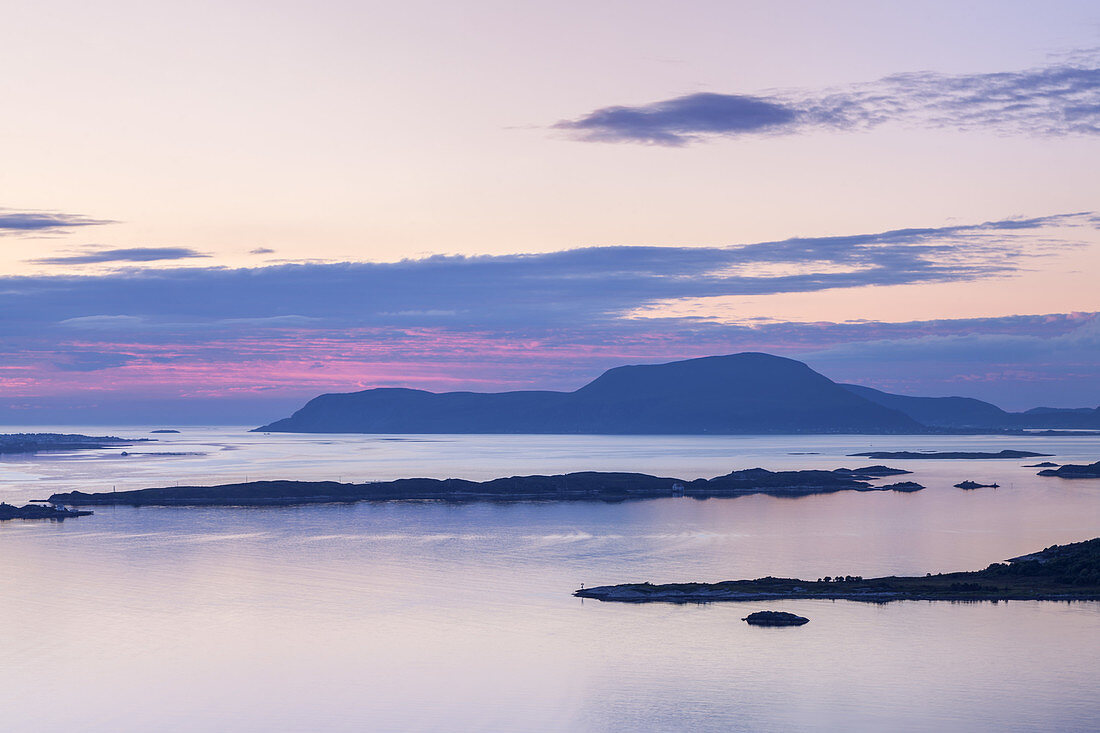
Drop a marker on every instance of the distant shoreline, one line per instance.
(20, 443)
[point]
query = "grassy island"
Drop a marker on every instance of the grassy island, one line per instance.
(1058, 573)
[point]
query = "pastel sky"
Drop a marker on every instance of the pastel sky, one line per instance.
(213, 211)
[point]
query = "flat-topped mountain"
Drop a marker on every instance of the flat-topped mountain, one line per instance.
(735, 394)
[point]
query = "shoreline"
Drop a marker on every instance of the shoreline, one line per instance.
(1058, 573)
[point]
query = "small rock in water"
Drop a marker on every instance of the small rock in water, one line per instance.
(775, 618)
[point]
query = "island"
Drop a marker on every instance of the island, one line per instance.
(975, 485)
(946, 455)
(1058, 573)
(1071, 470)
(35, 511)
(591, 485)
(1043, 464)
(775, 618)
(36, 442)
(164, 430)
(902, 486)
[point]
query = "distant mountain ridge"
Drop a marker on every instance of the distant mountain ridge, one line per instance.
(967, 412)
(951, 412)
(736, 394)
(746, 393)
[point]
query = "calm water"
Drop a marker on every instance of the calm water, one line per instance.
(432, 616)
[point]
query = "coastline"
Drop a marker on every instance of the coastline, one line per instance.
(1058, 573)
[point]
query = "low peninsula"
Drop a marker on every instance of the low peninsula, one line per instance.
(34, 511)
(946, 455)
(1071, 470)
(36, 442)
(1058, 573)
(591, 485)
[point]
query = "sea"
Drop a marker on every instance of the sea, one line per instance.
(441, 616)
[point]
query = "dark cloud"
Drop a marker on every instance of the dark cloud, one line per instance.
(15, 222)
(135, 254)
(261, 251)
(673, 121)
(1059, 99)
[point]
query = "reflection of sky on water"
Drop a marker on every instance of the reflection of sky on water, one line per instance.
(439, 616)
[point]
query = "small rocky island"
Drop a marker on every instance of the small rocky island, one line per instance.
(37, 511)
(946, 455)
(1058, 573)
(970, 485)
(1071, 470)
(591, 485)
(775, 618)
(903, 486)
(36, 442)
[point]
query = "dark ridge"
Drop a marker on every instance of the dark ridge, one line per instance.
(946, 412)
(1053, 417)
(967, 413)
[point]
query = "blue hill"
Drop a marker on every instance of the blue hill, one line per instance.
(736, 394)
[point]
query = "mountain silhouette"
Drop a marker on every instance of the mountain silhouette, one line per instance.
(951, 412)
(970, 413)
(735, 394)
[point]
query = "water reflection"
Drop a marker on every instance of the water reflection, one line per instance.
(435, 616)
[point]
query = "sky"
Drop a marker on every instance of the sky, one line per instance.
(212, 212)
